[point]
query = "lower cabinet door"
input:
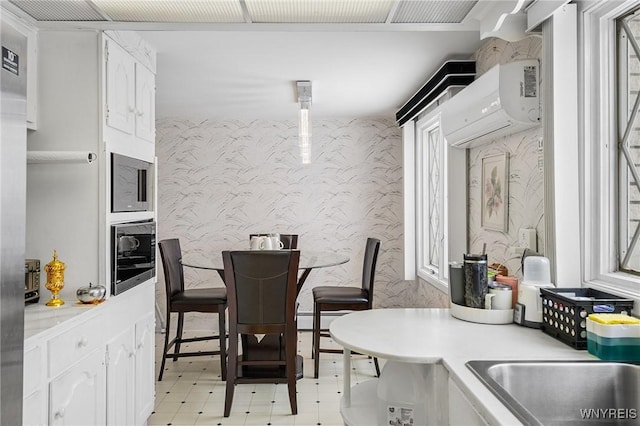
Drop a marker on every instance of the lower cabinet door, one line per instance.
(120, 379)
(461, 411)
(78, 394)
(145, 367)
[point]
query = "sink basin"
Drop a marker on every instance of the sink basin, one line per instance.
(565, 392)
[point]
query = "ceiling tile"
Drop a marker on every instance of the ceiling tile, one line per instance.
(319, 11)
(219, 11)
(432, 12)
(58, 10)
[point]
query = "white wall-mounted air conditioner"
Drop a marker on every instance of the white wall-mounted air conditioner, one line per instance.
(502, 101)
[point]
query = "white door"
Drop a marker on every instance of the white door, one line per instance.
(145, 368)
(145, 104)
(120, 379)
(120, 90)
(78, 395)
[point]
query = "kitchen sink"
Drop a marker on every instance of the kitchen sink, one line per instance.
(565, 392)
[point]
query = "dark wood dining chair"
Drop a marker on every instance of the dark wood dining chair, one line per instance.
(262, 289)
(340, 298)
(180, 300)
(289, 241)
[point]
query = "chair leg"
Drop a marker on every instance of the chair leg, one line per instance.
(222, 330)
(375, 362)
(316, 340)
(167, 330)
(178, 334)
(232, 370)
(290, 353)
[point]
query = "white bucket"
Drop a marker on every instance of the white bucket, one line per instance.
(402, 394)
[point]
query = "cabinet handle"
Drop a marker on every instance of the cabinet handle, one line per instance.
(59, 414)
(139, 113)
(132, 109)
(140, 345)
(131, 354)
(82, 342)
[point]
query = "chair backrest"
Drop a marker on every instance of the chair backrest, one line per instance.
(261, 287)
(289, 241)
(369, 266)
(171, 255)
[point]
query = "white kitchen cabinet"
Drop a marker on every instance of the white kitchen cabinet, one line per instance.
(78, 395)
(32, 386)
(91, 365)
(120, 88)
(130, 94)
(120, 379)
(461, 411)
(144, 368)
(145, 104)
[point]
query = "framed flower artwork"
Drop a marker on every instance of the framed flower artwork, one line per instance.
(495, 197)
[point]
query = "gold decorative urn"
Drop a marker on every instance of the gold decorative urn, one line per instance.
(55, 279)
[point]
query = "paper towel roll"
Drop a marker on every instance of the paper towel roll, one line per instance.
(38, 157)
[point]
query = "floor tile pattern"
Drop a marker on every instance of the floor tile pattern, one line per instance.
(192, 392)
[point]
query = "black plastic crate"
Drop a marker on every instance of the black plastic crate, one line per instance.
(565, 312)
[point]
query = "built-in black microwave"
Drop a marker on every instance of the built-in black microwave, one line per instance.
(130, 184)
(133, 254)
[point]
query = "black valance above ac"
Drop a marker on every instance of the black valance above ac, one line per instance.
(450, 74)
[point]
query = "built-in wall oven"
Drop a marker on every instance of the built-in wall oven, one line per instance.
(133, 254)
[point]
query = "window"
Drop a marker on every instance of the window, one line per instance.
(628, 143)
(610, 134)
(431, 209)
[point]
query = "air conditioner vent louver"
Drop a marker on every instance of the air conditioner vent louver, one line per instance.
(504, 100)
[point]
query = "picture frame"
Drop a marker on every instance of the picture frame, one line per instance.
(495, 192)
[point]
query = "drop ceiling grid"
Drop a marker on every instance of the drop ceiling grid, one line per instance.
(54, 10)
(348, 11)
(443, 12)
(226, 11)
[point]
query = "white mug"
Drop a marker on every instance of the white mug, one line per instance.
(255, 243)
(265, 243)
(498, 298)
(276, 244)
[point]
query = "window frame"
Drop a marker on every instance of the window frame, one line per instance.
(436, 275)
(598, 122)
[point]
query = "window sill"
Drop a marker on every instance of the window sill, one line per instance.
(434, 281)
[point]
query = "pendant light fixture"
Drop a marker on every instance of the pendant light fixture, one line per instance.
(304, 120)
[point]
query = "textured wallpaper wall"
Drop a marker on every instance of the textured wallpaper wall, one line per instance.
(525, 192)
(219, 181)
(525, 189)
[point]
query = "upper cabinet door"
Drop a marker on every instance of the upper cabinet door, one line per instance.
(120, 100)
(145, 104)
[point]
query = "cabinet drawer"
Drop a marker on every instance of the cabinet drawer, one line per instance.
(70, 346)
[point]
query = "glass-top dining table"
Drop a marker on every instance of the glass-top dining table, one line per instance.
(309, 260)
(270, 346)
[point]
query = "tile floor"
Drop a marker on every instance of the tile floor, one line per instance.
(192, 393)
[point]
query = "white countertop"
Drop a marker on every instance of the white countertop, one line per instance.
(433, 335)
(40, 319)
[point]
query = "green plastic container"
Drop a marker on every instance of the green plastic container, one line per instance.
(613, 342)
(613, 348)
